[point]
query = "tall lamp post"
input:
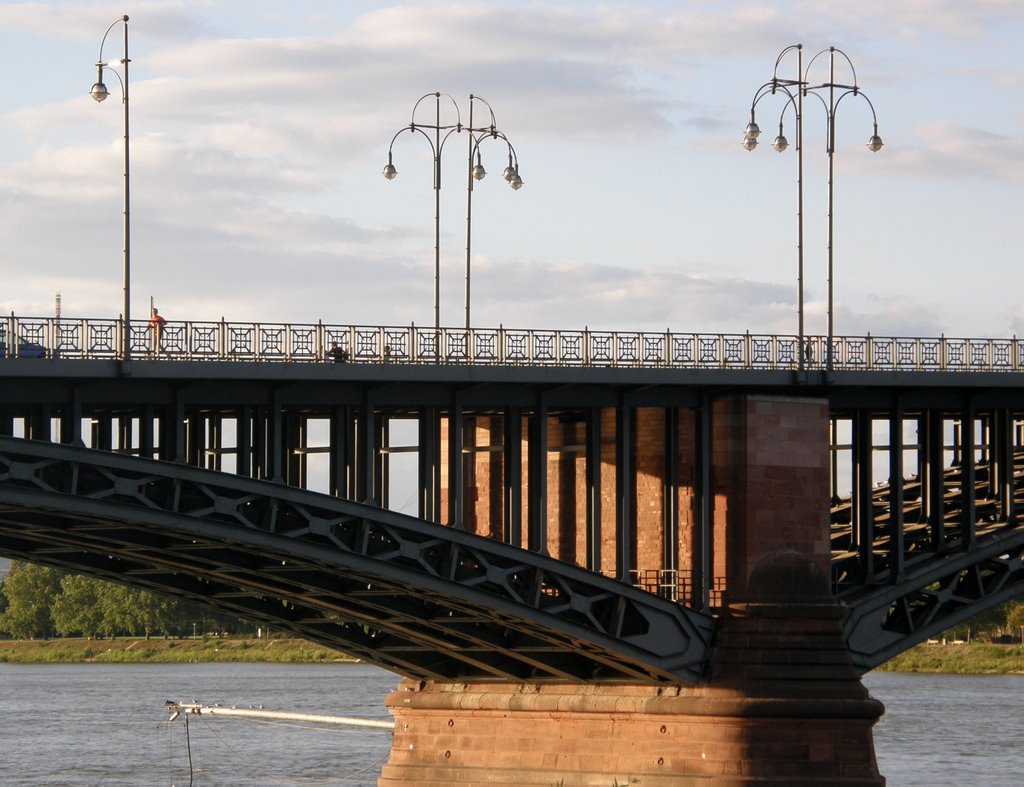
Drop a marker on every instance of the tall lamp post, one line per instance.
(794, 91)
(477, 172)
(99, 92)
(441, 133)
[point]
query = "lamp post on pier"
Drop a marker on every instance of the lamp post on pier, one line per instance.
(441, 133)
(794, 91)
(99, 92)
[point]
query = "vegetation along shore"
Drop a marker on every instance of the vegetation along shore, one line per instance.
(135, 650)
(967, 658)
(54, 617)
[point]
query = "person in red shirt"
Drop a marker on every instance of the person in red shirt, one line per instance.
(156, 328)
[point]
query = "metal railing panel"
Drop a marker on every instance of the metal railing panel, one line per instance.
(98, 339)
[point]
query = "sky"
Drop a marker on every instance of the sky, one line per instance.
(258, 132)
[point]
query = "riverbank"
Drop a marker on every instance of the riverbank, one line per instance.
(974, 658)
(166, 651)
(967, 658)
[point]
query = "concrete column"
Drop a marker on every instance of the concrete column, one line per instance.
(780, 703)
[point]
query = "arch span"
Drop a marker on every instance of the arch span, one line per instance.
(420, 599)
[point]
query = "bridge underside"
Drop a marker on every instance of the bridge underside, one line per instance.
(609, 469)
(915, 558)
(426, 601)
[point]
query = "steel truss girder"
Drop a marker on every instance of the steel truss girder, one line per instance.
(423, 600)
(940, 592)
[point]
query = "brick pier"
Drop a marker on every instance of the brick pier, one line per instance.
(780, 704)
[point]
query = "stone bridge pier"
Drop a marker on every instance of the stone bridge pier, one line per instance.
(780, 702)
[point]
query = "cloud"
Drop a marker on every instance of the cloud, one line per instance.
(256, 160)
(950, 152)
(911, 18)
(163, 21)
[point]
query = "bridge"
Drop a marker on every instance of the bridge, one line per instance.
(644, 523)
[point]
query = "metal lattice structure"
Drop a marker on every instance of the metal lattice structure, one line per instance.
(938, 594)
(423, 600)
(928, 574)
(98, 339)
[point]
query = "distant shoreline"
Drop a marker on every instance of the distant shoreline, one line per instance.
(959, 658)
(136, 650)
(974, 658)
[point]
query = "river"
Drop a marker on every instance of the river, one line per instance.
(97, 724)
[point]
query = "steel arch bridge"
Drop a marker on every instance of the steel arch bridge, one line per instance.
(420, 599)
(425, 600)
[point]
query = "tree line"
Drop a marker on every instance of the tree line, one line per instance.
(41, 602)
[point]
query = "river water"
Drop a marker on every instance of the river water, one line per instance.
(97, 724)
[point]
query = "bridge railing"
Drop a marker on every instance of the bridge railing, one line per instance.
(50, 337)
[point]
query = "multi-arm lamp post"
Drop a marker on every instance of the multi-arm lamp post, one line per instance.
(99, 92)
(475, 172)
(794, 91)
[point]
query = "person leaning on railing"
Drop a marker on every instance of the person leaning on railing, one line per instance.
(156, 328)
(337, 353)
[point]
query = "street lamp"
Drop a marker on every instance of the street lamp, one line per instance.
(794, 91)
(99, 92)
(476, 171)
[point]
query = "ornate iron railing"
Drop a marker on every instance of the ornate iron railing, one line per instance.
(48, 337)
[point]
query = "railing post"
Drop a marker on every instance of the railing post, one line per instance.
(8, 336)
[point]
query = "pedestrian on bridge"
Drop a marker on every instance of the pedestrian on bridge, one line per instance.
(338, 353)
(156, 328)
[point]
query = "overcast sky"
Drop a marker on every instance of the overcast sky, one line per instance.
(259, 131)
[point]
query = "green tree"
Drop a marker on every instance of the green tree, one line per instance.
(35, 601)
(1015, 617)
(132, 611)
(29, 591)
(76, 609)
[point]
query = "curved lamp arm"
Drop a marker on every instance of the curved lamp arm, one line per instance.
(874, 143)
(830, 51)
(752, 131)
(511, 173)
(436, 95)
(494, 123)
(778, 61)
(99, 90)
